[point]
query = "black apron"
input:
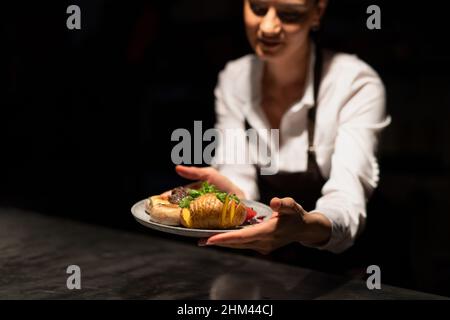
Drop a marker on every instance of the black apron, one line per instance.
(305, 188)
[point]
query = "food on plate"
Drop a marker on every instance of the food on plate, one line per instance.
(209, 212)
(250, 213)
(204, 208)
(163, 211)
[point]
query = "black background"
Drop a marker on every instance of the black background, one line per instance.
(86, 115)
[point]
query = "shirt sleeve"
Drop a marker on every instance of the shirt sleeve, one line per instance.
(228, 116)
(354, 167)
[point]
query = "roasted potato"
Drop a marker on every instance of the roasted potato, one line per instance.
(208, 212)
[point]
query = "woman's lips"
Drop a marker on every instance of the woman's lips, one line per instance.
(269, 43)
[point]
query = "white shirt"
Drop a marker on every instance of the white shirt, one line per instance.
(350, 114)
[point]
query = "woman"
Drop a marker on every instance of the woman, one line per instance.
(328, 137)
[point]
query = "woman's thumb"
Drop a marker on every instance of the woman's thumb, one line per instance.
(286, 205)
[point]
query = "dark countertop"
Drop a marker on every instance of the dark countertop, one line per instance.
(35, 251)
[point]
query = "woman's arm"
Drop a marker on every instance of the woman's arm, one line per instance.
(354, 167)
(340, 213)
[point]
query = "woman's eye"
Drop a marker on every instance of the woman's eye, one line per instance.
(259, 9)
(291, 16)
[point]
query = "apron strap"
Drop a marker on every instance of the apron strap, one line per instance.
(318, 65)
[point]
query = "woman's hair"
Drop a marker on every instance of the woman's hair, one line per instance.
(315, 33)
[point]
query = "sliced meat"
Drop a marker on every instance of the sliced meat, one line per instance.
(178, 194)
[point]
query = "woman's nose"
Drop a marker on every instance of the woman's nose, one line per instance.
(270, 24)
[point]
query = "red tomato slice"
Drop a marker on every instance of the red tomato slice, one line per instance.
(250, 213)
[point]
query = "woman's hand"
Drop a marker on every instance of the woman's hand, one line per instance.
(288, 223)
(210, 175)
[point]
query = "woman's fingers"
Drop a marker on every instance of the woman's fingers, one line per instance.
(286, 205)
(210, 175)
(274, 215)
(205, 242)
(246, 235)
(275, 204)
(256, 245)
(192, 173)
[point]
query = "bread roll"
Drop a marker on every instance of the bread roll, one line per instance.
(162, 211)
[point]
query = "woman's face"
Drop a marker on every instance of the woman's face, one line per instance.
(279, 29)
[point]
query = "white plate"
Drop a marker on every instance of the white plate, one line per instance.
(138, 211)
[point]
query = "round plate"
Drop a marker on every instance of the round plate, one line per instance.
(138, 211)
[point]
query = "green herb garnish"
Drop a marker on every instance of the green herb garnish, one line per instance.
(221, 196)
(185, 202)
(194, 193)
(206, 188)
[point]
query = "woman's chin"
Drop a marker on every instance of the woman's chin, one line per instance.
(269, 53)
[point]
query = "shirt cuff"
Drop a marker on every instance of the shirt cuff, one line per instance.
(340, 240)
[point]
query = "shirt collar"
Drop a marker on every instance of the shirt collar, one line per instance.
(251, 85)
(308, 96)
